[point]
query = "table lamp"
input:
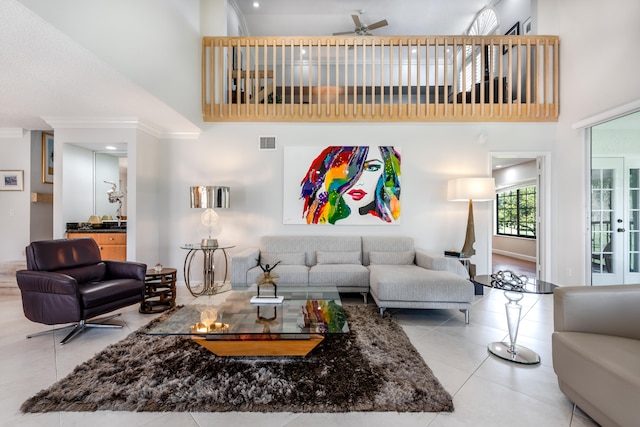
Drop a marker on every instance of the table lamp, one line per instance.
(210, 197)
(463, 189)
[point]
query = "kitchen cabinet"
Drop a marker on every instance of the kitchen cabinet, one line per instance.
(112, 246)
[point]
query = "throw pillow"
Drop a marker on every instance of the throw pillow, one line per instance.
(345, 257)
(392, 257)
(285, 258)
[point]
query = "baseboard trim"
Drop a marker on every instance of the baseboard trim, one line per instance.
(515, 255)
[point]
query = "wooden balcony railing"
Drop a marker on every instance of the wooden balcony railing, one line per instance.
(386, 79)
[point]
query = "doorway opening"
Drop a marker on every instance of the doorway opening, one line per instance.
(520, 229)
(615, 201)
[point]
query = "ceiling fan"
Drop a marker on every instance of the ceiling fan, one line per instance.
(361, 28)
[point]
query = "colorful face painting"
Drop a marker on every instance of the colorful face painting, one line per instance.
(348, 185)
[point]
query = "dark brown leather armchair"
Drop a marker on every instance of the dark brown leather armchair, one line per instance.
(66, 281)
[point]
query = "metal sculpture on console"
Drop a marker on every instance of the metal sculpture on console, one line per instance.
(115, 196)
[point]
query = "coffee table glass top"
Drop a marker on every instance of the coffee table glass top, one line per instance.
(305, 310)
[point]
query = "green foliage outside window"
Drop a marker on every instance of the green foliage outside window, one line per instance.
(516, 212)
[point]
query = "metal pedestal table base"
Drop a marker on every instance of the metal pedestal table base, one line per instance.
(521, 355)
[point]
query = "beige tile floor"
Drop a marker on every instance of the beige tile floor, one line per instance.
(487, 391)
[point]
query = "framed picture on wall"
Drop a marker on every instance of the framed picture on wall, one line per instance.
(47, 158)
(342, 185)
(526, 27)
(12, 180)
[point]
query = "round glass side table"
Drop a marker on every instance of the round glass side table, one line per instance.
(514, 289)
(208, 284)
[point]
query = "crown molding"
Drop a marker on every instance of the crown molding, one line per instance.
(12, 132)
(118, 123)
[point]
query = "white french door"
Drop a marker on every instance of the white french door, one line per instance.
(615, 221)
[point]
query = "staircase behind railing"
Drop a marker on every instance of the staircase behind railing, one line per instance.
(448, 78)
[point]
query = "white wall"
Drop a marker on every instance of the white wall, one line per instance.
(15, 146)
(77, 176)
(153, 42)
(597, 74)
(146, 201)
(227, 154)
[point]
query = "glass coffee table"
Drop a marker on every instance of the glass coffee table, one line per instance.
(233, 326)
(514, 288)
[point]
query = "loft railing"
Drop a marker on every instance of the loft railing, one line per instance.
(448, 78)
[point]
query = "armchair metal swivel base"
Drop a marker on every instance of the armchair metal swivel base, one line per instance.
(80, 327)
(67, 282)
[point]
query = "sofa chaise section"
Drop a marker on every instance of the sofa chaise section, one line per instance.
(404, 277)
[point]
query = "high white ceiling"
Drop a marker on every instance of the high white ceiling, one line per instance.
(324, 17)
(45, 74)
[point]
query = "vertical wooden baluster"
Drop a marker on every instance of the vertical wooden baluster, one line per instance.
(214, 88)
(247, 78)
(238, 75)
(392, 45)
(501, 77)
(400, 80)
(519, 81)
(528, 79)
(446, 76)
(372, 84)
(328, 74)
(409, 78)
(264, 80)
(291, 79)
(282, 108)
(492, 80)
(511, 82)
(364, 78)
(454, 84)
(336, 49)
(436, 71)
(228, 72)
(419, 76)
(427, 80)
(220, 75)
(546, 64)
(383, 48)
(300, 76)
(346, 77)
(318, 78)
(556, 76)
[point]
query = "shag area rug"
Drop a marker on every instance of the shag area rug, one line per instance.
(373, 368)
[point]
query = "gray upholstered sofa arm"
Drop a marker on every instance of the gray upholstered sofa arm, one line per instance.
(605, 310)
(434, 261)
(243, 262)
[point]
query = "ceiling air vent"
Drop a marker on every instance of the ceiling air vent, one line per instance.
(267, 143)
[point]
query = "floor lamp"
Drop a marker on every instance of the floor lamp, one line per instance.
(209, 197)
(470, 189)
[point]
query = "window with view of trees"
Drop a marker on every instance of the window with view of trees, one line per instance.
(516, 212)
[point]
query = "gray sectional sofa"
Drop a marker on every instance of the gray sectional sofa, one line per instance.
(391, 269)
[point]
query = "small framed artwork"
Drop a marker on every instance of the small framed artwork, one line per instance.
(513, 31)
(526, 27)
(47, 158)
(11, 180)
